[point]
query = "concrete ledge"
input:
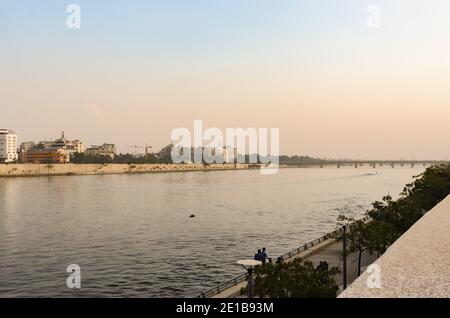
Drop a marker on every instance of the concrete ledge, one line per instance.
(416, 265)
(31, 170)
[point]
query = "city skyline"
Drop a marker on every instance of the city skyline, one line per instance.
(142, 150)
(335, 87)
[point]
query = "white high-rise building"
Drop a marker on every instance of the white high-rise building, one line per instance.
(8, 146)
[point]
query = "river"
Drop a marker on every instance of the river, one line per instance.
(132, 235)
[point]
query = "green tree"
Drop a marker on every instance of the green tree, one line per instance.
(380, 235)
(390, 218)
(294, 279)
(357, 236)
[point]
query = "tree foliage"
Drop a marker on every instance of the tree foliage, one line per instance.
(295, 279)
(390, 219)
(162, 157)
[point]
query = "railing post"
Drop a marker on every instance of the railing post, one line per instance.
(250, 283)
(344, 253)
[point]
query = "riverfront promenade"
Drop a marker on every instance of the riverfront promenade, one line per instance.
(329, 251)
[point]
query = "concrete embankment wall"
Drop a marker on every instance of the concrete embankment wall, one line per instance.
(28, 170)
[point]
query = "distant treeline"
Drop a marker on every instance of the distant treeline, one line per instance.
(164, 157)
(300, 160)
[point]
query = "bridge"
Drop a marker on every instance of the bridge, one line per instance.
(377, 163)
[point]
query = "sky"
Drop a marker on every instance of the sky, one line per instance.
(136, 70)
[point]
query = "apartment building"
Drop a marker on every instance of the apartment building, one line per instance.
(108, 150)
(8, 146)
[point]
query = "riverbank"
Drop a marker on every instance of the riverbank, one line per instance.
(33, 170)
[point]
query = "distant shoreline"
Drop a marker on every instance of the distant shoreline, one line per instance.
(81, 169)
(70, 169)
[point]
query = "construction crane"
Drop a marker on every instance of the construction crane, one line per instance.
(146, 147)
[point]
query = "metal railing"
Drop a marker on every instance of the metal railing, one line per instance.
(243, 277)
(223, 286)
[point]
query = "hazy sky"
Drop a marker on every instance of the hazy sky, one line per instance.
(138, 69)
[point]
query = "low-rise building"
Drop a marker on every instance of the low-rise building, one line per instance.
(58, 151)
(68, 146)
(107, 150)
(43, 155)
(8, 146)
(24, 148)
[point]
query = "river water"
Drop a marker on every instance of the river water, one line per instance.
(132, 235)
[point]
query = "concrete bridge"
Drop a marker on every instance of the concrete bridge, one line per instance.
(380, 163)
